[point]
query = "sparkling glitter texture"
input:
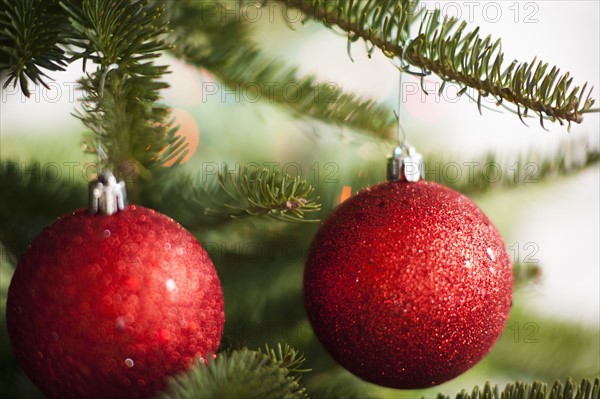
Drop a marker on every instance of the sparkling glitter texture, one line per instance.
(107, 306)
(408, 285)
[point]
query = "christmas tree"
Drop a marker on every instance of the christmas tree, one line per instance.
(264, 131)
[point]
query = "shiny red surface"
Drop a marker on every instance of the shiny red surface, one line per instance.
(107, 306)
(408, 285)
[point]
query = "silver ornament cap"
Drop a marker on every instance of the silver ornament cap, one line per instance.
(405, 164)
(107, 196)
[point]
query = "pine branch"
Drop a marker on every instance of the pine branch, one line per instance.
(132, 127)
(261, 192)
(445, 47)
(239, 374)
(478, 174)
(31, 35)
(233, 194)
(287, 358)
(221, 45)
(536, 390)
(489, 172)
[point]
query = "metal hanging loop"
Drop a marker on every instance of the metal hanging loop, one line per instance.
(106, 195)
(102, 157)
(405, 164)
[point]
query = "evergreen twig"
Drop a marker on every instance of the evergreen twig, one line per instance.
(264, 192)
(286, 357)
(536, 390)
(221, 45)
(132, 127)
(235, 194)
(240, 374)
(444, 46)
(31, 35)
(489, 172)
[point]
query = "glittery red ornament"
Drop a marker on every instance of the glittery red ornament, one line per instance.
(107, 306)
(408, 285)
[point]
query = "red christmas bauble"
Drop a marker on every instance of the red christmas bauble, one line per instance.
(107, 306)
(408, 285)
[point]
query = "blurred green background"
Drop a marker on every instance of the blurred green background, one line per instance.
(551, 225)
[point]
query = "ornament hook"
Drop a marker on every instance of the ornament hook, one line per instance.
(401, 132)
(99, 150)
(405, 164)
(106, 195)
